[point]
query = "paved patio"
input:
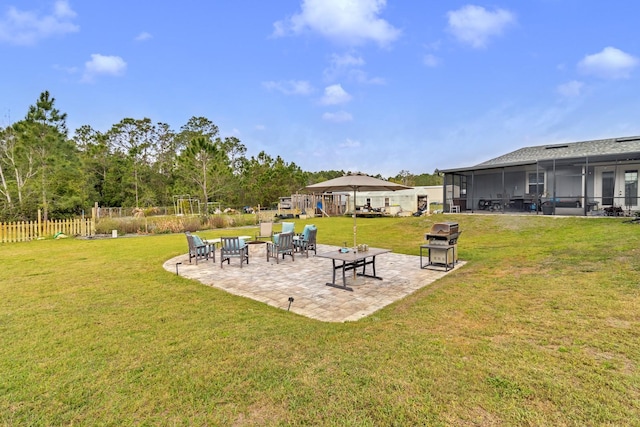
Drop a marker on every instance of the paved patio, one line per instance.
(304, 279)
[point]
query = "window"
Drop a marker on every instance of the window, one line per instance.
(630, 188)
(536, 183)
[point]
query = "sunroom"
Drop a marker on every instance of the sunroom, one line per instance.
(598, 177)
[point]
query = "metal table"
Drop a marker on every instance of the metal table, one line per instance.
(351, 261)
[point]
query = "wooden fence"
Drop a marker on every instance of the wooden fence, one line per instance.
(24, 231)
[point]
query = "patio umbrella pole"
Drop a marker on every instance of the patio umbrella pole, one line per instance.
(355, 245)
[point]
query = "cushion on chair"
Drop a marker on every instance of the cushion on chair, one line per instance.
(305, 231)
(201, 247)
(288, 227)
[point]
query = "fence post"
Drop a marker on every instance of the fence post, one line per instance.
(40, 233)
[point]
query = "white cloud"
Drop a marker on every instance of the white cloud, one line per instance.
(103, 65)
(610, 63)
(28, 27)
(350, 143)
(570, 89)
(431, 61)
(290, 87)
(337, 117)
(352, 22)
(474, 25)
(346, 60)
(334, 94)
(261, 127)
(348, 65)
(143, 36)
(361, 76)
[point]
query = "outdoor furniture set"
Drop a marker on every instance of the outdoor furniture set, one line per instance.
(441, 249)
(280, 244)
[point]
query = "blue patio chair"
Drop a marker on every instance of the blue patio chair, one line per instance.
(287, 227)
(306, 241)
(199, 249)
(283, 247)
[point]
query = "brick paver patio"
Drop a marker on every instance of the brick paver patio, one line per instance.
(304, 279)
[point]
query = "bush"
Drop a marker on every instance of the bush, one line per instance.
(123, 225)
(172, 224)
(155, 225)
(216, 221)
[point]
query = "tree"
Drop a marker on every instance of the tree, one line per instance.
(266, 179)
(134, 138)
(224, 170)
(197, 161)
(96, 161)
(404, 177)
(43, 137)
(195, 127)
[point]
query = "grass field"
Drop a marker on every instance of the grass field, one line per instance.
(540, 327)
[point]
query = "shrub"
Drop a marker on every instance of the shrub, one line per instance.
(123, 225)
(216, 221)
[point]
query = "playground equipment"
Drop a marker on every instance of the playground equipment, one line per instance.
(184, 204)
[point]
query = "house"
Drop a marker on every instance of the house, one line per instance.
(368, 203)
(393, 202)
(578, 178)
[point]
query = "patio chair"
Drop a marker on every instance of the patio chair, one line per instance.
(233, 247)
(199, 249)
(266, 231)
(283, 247)
(287, 227)
(306, 241)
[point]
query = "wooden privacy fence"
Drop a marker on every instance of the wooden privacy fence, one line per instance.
(24, 231)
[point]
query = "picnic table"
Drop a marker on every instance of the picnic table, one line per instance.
(352, 260)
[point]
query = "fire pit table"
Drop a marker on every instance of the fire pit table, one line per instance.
(257, 248)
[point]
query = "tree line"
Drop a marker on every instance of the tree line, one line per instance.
(138, 163)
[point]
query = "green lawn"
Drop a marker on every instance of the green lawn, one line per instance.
(540, 327)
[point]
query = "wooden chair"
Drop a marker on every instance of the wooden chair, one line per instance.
(306, 241)
(266, 231)
(199, 249)
(287, 227)
(283, 247)
(233, 247)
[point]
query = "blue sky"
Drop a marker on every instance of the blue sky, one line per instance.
(362, 85)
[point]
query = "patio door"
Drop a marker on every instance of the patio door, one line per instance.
(608, 186)
(630, 188)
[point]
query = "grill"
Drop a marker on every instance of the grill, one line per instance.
(443, 234)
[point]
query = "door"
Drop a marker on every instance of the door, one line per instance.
(608, 186)
(630, 188)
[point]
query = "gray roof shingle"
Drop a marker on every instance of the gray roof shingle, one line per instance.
(595, 148)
